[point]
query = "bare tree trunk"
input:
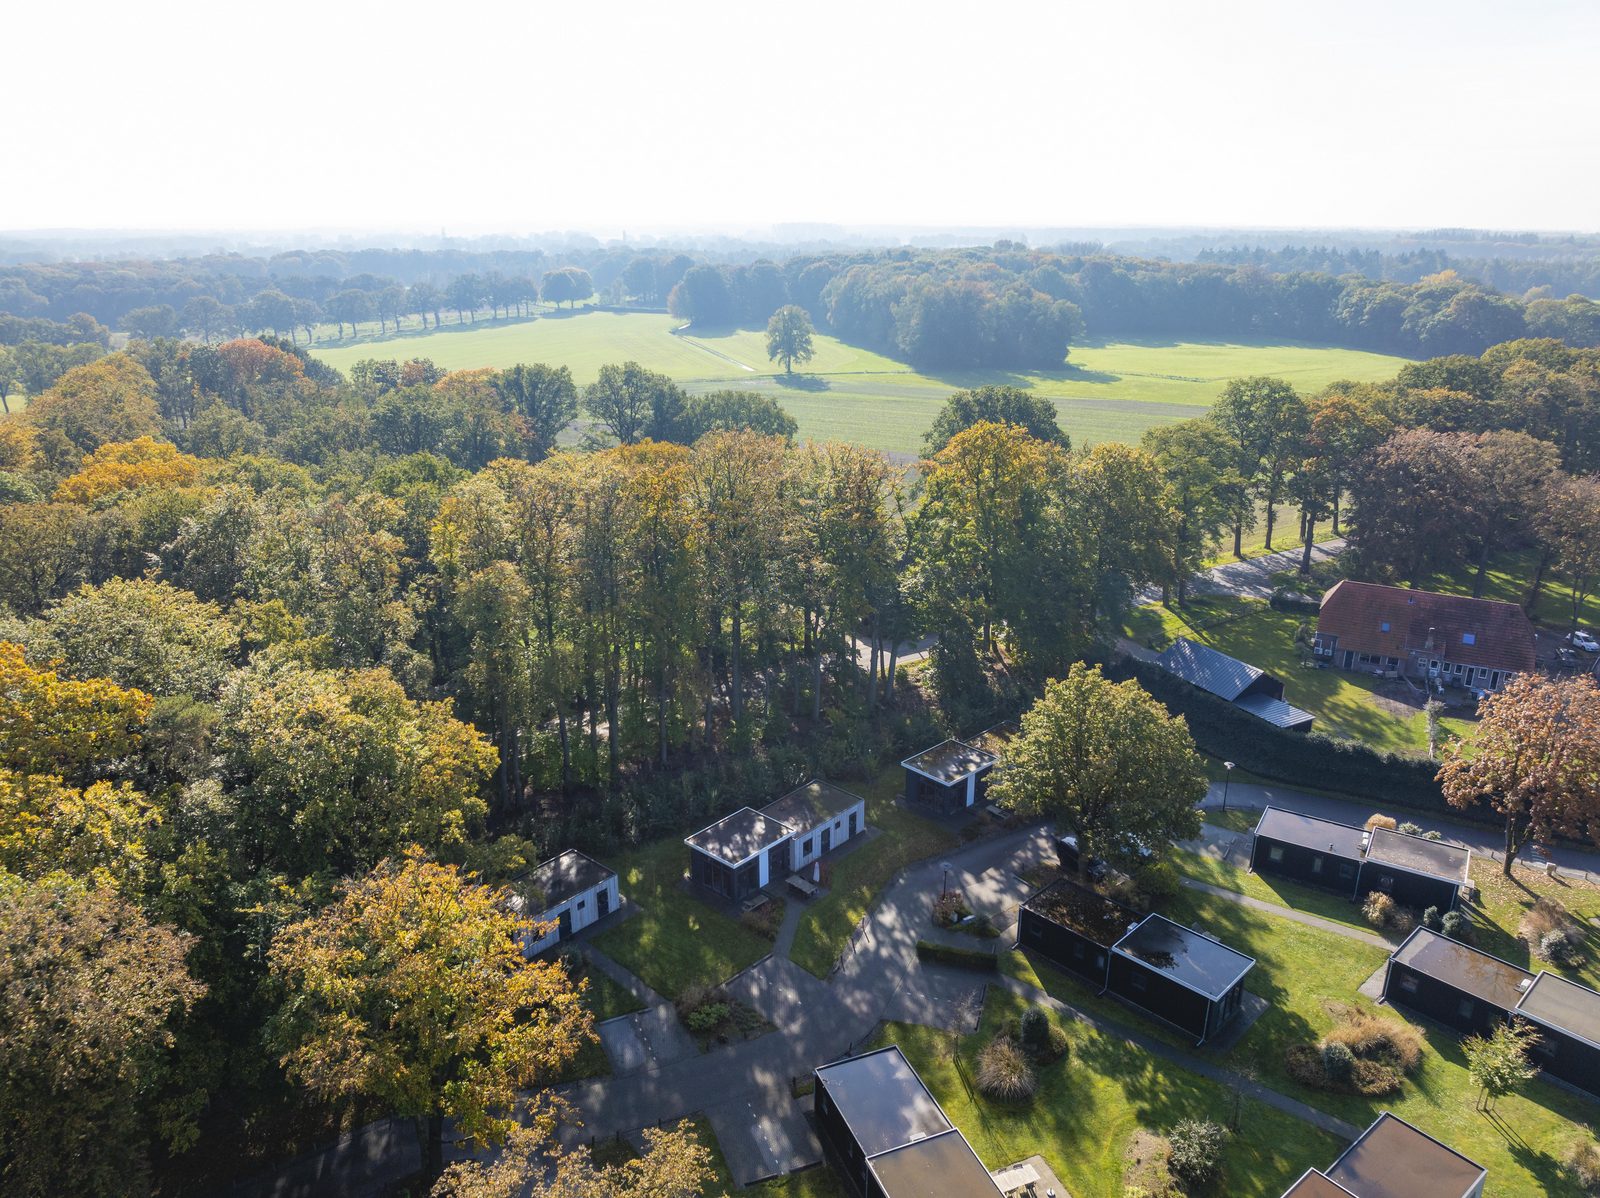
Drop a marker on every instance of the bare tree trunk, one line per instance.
(1238, 537)
(1482, 576)
(1538, 582)
(738, 664)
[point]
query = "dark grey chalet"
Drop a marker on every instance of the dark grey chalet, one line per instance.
(739, 854)
(886, 1137)
(1318, 852)
(1568, 1018)
(1181, 976)
(1075, 927)
(1453, 983)
(950, 777)
(1413, 870)
(1392, 1159)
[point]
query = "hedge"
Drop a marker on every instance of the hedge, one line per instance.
(963, 958)
(1298, 758)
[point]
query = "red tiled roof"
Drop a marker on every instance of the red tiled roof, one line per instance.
(1355, 612)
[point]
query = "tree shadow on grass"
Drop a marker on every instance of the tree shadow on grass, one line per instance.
(802, 382)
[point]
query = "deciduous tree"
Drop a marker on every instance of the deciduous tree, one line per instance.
(999, 405)
(789, 335)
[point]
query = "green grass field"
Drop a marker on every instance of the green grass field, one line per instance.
(1109, 392)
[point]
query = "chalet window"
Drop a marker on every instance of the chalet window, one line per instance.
(1464, 1009)
(1545, 1047)
(1385, 882)
(1275, 854)
(1408, 983)
(580, 904)
(1077, 951)
(1469, 638)
(1137, 981)
(1316, 864)
(1346, 871)
(1034, 930)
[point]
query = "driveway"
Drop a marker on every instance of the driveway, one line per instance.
(1251, 578)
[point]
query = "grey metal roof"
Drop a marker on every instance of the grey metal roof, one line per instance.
(1392, 1159)
(738, 837)
(941, 1166)
(1312, 832)
(1467, 969)
(950, 761)
(1224, 676)
(1434, 858)
(1192, 958)
(1564, 1005)
(814, 803)
(1275, 711)
(882, 1100)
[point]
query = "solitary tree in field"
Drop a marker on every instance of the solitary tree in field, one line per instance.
(567, 285)
(1535, 760)
(411, 991)
(789, 337)
(1107, 763)
(1498, 1063)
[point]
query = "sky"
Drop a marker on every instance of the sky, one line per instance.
(593, 115)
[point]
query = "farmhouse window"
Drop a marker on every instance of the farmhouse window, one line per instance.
(1384, 627)
(1469, 638)
(1275, 854)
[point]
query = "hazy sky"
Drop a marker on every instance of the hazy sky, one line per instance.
(534, 115)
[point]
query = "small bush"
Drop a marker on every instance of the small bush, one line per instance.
(1157, 884)
(1378, 909)
(1034, 1029)
(1560, 948)
(983, 928)
(1457, 926)
(1338, 1062)
(950, 907)
(1197, 1145)
(1430, 919)
(695, 997)
(1402, 920)
(1004, 1072)
(1410, 829)
(1381, 821)
(705, 1019)
(1581, 1163)
(1430, 834)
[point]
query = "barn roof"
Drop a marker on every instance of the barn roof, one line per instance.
(1224, 676)
(1275, 711)
(1501, 635)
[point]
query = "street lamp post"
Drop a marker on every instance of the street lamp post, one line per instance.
(944, 886)
(1226, 778)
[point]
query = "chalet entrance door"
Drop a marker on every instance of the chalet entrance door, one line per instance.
(827, 839)
(602, 902)
(564, 923)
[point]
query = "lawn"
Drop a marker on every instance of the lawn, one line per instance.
(604, 997)
(1268, 889)
(1507, 580)
(858, 876)
(1110, 391)
(1502, 902)
(675, 941)
(1344, 702)
(1090, 1104)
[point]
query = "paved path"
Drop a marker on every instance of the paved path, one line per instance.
(622, 977)
(1252, 577)
(1191, 1062)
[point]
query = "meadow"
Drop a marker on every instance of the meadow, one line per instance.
(1109, 391)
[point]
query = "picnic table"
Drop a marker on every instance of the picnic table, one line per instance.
(1018, 1177)
(756, 901)
(802, 887)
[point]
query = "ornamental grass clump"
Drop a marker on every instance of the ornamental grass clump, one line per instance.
(1005, 1073)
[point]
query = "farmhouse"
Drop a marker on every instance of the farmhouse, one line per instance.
(1184, 977)
(819, 818)
(951, 776)
(570, 891)
(1568, 1018)
(1392, 1159)
(1453, 983)
(739, 854)
(1442, 640)
(1413, 870)
(1075, 927)
(886, 1137)
(1237, 682)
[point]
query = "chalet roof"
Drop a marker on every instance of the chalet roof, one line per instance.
(995, 739)
(1224, 676)
(1083, 911)
(1467, 969)
(814, 803)
(1434, 858)
(1192, 958)
(736, 838)
(1392, 1159)
(883, 1100)
(553, 882)
(941, 1166)
(1565, 1006)
(1275, 711)
(1311, 832)
(950, 761)
(1315, 1184)
(1355, 612)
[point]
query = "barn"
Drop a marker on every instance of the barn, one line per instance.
(885, 1136)
(1304, 848)
(1240, 683)
(1568, 1018)
(571, 891)
(1453, 983)
(1414, 871)
(1075, 928)
(819, 817)
(739, 854)
(1181, 976)
(949, 777)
